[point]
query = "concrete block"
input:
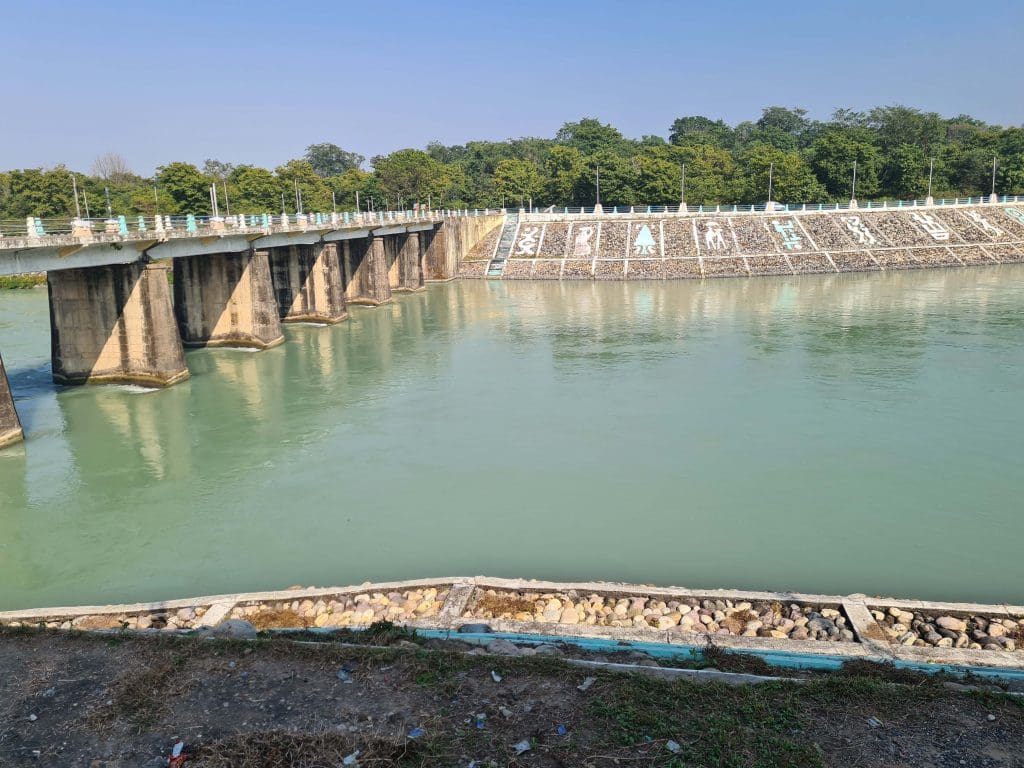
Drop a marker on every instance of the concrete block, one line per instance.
(114, 323)
(308, 283)
(10, 426)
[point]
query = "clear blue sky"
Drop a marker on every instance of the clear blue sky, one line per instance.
(255, 82)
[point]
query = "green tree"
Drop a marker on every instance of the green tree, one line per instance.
(38, 192)
(697, 129)
(299, 176)
(517, 180)
(414, 176)
(345, 185)
(710, 175)
(186, 186)
(905, 172)
(832, 156)
(254, 190)
(590, 135)
(331, 160)
(565, 172)
(793, 181)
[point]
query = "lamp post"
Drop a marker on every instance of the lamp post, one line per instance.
(931, 172)
(992, 198)
(771, 174)
(597, 189)
(853, 187)
(682, 192)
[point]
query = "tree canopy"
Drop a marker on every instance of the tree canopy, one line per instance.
(810, 161)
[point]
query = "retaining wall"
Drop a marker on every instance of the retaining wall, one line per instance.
(727, 244)
(446, 604)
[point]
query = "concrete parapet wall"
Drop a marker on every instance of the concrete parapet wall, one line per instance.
(446, 604)
(308, 283)
(10, 425)
(227, 300)
(453, 241)
(638, 246)
(114, 323)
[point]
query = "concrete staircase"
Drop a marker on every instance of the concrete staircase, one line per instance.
(504, 248)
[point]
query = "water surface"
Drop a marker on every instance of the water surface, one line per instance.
(847, 433)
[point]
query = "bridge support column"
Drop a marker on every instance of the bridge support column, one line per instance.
(366, 271)
(226, 300)
(406, 273)
(308, 283)
(10, 426)
(114, 323)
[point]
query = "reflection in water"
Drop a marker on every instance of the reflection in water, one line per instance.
(828, 433)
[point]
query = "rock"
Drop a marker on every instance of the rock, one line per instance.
(503, 647)
(96, 622)
(474, 628)
(946, 642)
(234, 628)
(569, 616)
(666, 622)
(950, 623)
(996, 630)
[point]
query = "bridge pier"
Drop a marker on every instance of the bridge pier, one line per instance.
(406, 273)
(226, 300)
(10, 426)
(114, 323)
(308, 283)
(366, 271)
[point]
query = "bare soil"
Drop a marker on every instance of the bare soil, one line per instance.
(106, 701)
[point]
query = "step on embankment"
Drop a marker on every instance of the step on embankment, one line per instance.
(816, 630)
(638, 246)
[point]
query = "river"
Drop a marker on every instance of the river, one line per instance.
(836, 434)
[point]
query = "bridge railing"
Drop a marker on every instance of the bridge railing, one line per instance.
(183, 225)
(776, 207)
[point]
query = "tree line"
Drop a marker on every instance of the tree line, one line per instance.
(896, 149)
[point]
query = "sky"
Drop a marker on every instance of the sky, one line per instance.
(256, 82)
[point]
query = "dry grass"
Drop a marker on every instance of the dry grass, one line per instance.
(498, 605)
(141, 695)
(280, 619)
(282, 749)
(728, 661)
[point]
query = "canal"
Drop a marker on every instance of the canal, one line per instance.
(837, 434)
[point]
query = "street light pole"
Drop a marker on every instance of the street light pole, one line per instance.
(74, 187)
(597, 172)
(853, 189)
(682, 197)
(931, 172)
(771, 173)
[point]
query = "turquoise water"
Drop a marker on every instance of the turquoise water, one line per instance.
(846, 433)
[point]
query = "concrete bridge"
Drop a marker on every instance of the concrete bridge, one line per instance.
(235, 280)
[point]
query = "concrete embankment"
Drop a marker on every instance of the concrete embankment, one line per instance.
(725, 243)
(815, 631)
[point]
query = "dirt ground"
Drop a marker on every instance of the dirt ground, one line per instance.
(68, 699)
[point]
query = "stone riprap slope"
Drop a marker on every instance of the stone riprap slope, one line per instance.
(733, 244)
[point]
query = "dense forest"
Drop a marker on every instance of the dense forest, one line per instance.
(812, 161)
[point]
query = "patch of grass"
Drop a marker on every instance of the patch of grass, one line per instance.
(19, 282)
(283, 619)
(728, 661)
(720, 725)
(887, 671)
(140, 696)
(498, 605)
(283, 749)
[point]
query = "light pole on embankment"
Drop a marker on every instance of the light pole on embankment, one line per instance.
(771, 173)
(992, 198)
(853, 187)
(929, 200)
(682, 192)
(597, 190)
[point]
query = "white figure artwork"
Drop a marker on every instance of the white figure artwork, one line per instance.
(859, 230)
(581, 244)
(933, 227)
(986, 226)
(791, 241)
(714, 240)
(645, 243)
(527, 245)
(1015, 214)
